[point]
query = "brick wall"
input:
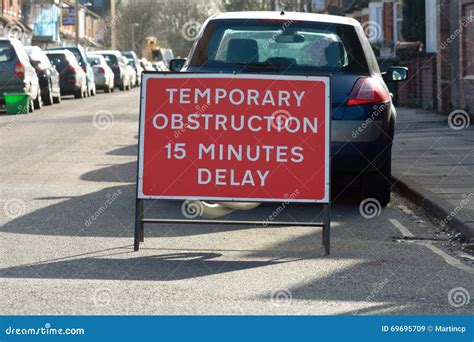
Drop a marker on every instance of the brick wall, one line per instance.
(388, 22)
(420, 88)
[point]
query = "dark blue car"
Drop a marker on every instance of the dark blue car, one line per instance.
(363, 115)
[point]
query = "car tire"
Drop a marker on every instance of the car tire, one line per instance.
(47, 96)
(57, 99)
(38, 102)
(122, 87)
(79, 94)
(378, 184)
(107, 89)
(32, 106)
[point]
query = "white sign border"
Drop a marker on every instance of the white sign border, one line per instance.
(327, 157)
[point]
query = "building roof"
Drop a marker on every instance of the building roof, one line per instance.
(290, 16)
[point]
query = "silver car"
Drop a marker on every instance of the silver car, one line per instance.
(17, 75)
(103, 75)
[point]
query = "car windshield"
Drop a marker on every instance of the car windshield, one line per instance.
(6, 52)
(280, 45)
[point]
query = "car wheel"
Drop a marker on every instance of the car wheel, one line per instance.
(47, 96)
(122, 87)
(79, 94)
(107, 89)
(57, 99)
(38, 102)
(377, 184)
(32, 106)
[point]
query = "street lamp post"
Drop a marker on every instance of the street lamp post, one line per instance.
(76, 21)
(133, 35)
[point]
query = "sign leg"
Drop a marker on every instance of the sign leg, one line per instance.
(138, 224)
(327, 228)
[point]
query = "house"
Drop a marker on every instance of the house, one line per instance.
(434, 38)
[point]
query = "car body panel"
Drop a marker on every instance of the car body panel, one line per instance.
(81, 58)
(11, 53)
(70, 82)
(46, 72)
(353, 149)
(105, 79)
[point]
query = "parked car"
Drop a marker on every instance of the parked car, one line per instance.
(135, 64)
(17, 75)
(103, 75)
(314, 44)
(146, 65)
(116, 63)
(47, 74)
(72, 78)
(131, 71)
(168, 55)
(81, 57)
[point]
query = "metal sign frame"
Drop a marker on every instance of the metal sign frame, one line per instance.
(140, 220)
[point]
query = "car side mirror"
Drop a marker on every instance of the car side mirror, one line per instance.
(177, 64)
(396, 74)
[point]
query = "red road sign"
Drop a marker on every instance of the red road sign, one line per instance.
(234, 137)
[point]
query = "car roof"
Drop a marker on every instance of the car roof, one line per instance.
(64, 52)
(107, 52)
(290, 16)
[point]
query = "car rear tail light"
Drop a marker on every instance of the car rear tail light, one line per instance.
(19, 69)
(71, 69)
(367, 90)
(84, 68)
(101, 70)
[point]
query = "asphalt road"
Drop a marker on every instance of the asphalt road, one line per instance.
(65, 164)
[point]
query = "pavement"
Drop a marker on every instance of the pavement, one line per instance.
(67, 192)
(433, 164)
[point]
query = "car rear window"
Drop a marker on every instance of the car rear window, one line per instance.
(94, 60)
(110, 59)
(6, 52)
(285, 45)
(59, 60)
